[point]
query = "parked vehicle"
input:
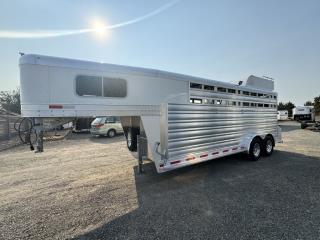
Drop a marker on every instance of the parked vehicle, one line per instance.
(304, 113)
(176, 120)
(282, 115)
(106, 126)
(82, 125)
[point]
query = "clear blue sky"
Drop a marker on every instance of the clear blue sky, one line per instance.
(223, 40)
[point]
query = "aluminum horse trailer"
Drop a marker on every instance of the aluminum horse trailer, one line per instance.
(175, 120)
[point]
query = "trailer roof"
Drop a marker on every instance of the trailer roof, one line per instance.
(96, 66)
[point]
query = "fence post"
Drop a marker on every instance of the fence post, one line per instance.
(8, 126)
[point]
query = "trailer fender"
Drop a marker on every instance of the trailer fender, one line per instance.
(246, 141)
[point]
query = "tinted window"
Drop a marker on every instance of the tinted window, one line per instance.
(114, 87)
(98, 120)
(195, 85)
(110, 120)
(89, 86)
(253, 104)
(207, 87)
(221, 89)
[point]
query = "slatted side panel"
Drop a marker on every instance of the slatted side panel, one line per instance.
(196, 128)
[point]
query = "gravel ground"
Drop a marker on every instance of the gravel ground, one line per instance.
(88, 188)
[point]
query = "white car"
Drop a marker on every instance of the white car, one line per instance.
(106, 126)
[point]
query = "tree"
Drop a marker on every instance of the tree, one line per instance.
(286, 106)
(10, 100)
(316, 104)
(289, 107)
(308, 103)
(281, 106)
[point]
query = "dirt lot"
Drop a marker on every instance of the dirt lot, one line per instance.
(88, 188)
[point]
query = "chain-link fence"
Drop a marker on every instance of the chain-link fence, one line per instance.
(8, 135)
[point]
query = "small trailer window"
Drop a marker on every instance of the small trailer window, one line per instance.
(221, 89)
(209, 88)
(245, 93)
(89, 85)
(195, 100)
(253, 94)
(253, 104)
(196, 85)
(114, 87)
(246, 104)
(231, 91)
(260, 105)
(260, 95)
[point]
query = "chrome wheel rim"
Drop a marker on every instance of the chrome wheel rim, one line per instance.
(111, 133)
(269, 146)
(256, 149)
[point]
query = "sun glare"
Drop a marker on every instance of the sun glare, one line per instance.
(99, 28)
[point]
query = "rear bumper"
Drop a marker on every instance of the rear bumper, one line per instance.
(97, 132)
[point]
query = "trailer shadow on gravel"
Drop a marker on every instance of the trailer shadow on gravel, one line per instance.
(95, 139)
(229, 198)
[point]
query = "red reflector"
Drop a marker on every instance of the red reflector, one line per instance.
(175, 162)
(235, 148)
(227, 150)
(204, 155)
(190, 158)
(53, 106)
(215, 153)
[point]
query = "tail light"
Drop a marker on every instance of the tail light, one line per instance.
(98, 125)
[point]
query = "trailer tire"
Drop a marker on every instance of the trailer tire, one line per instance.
(268, 145)
(303, 125)
(255, 150)
(131, 137)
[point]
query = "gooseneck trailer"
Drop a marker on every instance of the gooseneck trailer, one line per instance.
(303, 113)
(175, 120)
